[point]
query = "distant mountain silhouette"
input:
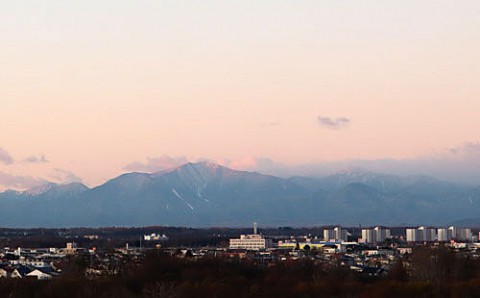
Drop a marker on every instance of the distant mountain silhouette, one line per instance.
(207, 194)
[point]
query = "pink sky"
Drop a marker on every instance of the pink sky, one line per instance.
(95, 86)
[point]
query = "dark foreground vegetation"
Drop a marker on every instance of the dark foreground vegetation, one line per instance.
(428, 272)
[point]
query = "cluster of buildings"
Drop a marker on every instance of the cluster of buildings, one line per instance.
(336, 234)
(339, 236)
(49, 263)
(373, 253)
(41, 263)
(428, 234)
(155, 237)
(255, 241)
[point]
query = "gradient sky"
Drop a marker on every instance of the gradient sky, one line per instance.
(91, 89)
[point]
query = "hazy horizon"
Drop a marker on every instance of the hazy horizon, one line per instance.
(93, 89)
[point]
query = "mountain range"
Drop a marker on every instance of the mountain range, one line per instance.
(207, 194)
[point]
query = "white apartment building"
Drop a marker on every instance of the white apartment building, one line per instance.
(422, 234)
(412, 235)
(464, 234)
(459, 234)
(377, 234)
(336, 235)
(368, 236)
(328, 235)
(444, 234)
(381, 234)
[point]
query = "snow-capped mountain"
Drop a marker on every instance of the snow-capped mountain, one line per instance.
(38, 190)
(207, 194)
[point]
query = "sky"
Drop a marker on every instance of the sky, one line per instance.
(93, 89)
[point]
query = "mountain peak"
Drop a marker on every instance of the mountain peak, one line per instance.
(49, 187)
(207, 164)
(40, 189)
(203, 166)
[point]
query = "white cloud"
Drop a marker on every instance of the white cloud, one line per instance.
(36, 159)
(155, 164)
(64, 176)
(5, 157)
(333, 123)
(9, 181)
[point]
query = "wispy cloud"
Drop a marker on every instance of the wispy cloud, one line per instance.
(458, 164)
(466, 148)
(64, 176)
(269, 124)
(155, 164)
(262, 165)
(19, 182)
(333, 123)
(36, 159)
(5, 157)
(246, 163)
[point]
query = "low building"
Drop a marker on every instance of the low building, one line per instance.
(40, 275)
(301, 245)
(155, 237)
(250, 242)
(70, 249)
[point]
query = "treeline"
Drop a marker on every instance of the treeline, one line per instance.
(428, 272)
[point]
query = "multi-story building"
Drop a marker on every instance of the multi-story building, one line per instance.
(377, 234)
(368, 236)
(381, 234)
(464, 234)
(453, 232)
(412, 235)
(328, 235)
(444, 234)
(340, 234)
(336, 235)
(459, 234)
(428, 234)
(422, 234)
(250, 242)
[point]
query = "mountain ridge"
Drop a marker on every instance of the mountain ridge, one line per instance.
(208, 194)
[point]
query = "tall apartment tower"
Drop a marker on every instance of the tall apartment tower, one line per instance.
(377, 234)
(368, 236)
(464, 234)
(337, 234)
(328, 235)
(412, 235)
(453, 232)
(422, 234)
(381, 234)
(444, 234)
